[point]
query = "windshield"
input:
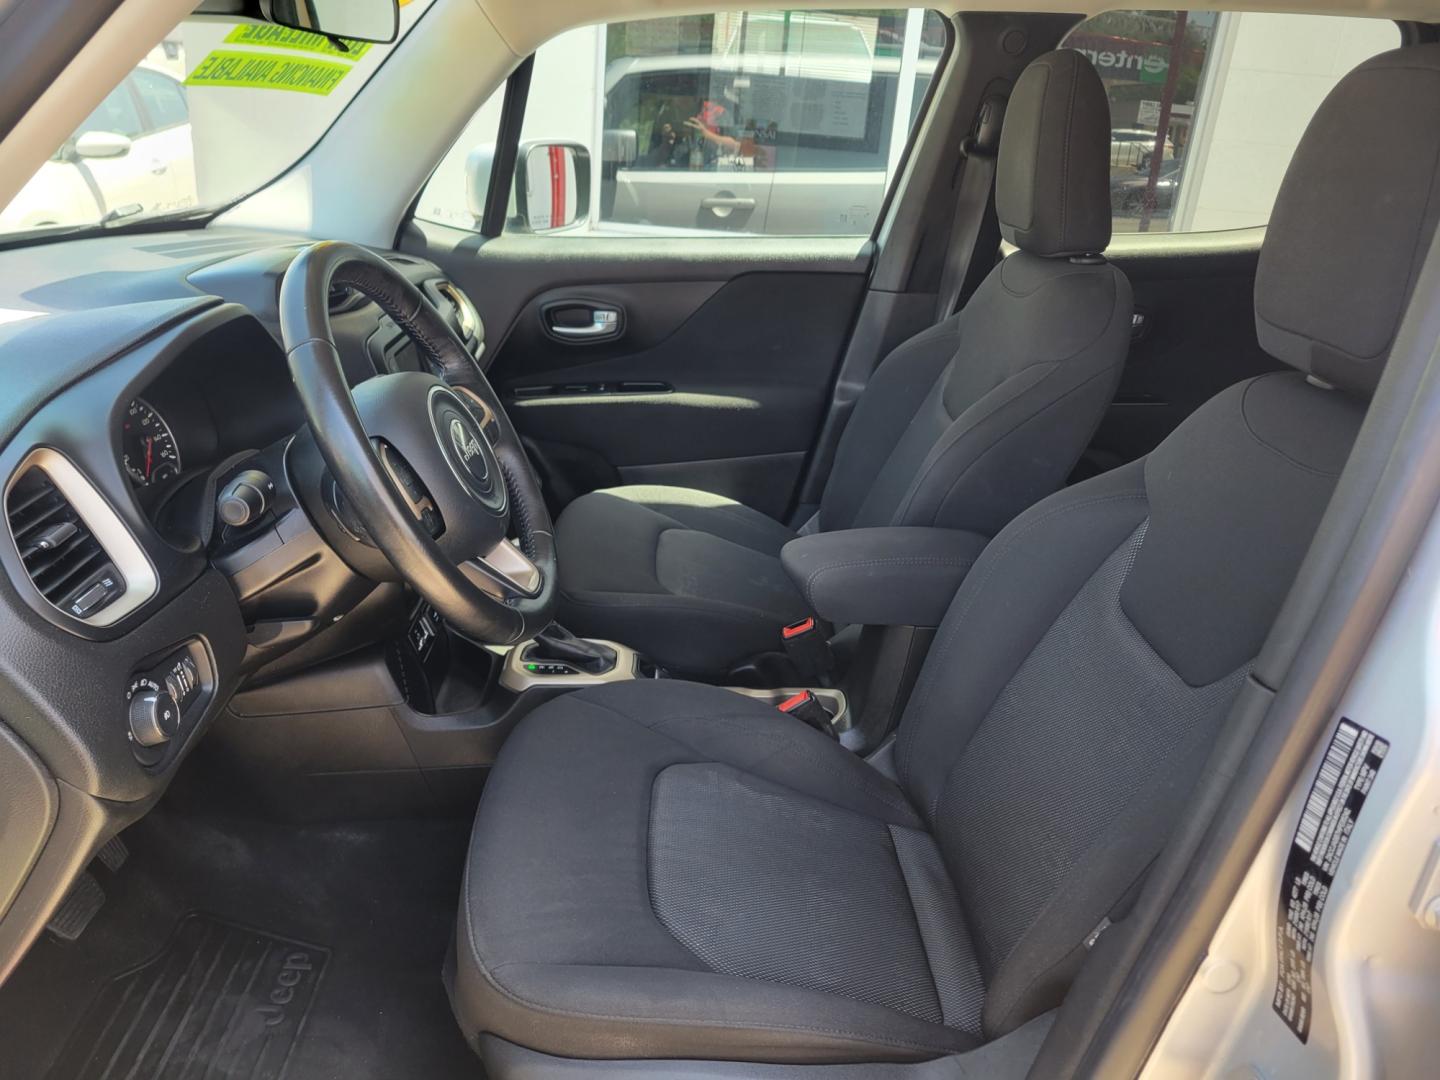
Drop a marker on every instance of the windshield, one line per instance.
(215, 111)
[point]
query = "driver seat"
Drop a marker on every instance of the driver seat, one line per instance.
(667, 870)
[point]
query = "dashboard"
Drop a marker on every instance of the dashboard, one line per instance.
(144, 376)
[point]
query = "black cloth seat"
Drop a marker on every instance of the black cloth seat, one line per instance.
(581, 910)
(691, 579)
(666, 870)
(962, 426)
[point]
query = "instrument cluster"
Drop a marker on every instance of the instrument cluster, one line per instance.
(150, 452)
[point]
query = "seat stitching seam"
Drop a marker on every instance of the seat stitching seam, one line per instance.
(1090, 270)
(735, 720)
(915, 915)
(935, 456)
(844, 1033)
(886, 561)
(960, 437)
(950, 776)
(1255, 435)
(959, 616)
(490, 974)
(1060, 892)
(671, 600)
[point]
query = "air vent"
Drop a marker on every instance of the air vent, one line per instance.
(467, 319)
(75, 550)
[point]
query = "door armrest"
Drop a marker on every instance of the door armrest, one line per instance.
(898, 576)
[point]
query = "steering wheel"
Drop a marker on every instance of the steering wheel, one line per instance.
(432, 467)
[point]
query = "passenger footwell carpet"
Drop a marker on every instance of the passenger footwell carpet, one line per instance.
(220, 1000)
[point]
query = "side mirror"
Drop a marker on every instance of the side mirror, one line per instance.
(102, 144)
(552, 185)
(479, 165)
(357, 20)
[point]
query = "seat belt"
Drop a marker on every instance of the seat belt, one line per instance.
(974, 212)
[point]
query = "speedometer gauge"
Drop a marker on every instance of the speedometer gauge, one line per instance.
(151, 455)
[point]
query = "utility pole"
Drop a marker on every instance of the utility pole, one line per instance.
(1162, 125)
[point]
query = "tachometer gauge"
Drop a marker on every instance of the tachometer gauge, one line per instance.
(151, 455)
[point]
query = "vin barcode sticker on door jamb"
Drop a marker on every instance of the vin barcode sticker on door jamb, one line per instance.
(1337, 795)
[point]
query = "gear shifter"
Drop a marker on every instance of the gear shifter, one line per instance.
(558, 645)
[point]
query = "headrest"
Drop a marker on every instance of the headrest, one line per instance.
(1052, 182)
(1353, 221)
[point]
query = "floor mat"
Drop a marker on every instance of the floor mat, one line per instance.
(221, 1000)
(373, 903)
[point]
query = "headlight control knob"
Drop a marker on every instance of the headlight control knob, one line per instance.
(245, 498)
(154, 716)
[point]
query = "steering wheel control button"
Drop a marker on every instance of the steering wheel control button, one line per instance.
(467, 450)
(154, 714)
(245, 498)
(412, 489)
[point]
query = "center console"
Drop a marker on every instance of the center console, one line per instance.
(527, 667)
(412, 725)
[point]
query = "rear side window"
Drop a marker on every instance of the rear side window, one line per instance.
(1206, 108)
(758, 122)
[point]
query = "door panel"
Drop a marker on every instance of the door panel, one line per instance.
(718, 378)
(1195, 299)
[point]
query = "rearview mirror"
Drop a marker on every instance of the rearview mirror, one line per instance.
(552, 185)
(102, 144)
(357, 20)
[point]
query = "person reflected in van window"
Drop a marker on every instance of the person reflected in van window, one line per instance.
(751, 147)
(722, 144)
(667, 149)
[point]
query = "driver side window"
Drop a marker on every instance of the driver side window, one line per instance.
(752, 123)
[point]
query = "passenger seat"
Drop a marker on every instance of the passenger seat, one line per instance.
(962, 427)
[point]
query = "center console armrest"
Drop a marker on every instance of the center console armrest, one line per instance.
(897, 576)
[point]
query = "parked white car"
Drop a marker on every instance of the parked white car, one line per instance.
(1133, 147)
(132, 155)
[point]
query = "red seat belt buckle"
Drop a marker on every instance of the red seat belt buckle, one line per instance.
(809, 709)
(806, 643)
(796, 629)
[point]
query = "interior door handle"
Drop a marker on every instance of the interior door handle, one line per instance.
(728, 202)
(603, 322)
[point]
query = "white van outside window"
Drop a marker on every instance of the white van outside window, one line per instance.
(765, 122)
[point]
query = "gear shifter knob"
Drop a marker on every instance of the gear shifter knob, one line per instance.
(557, 643)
